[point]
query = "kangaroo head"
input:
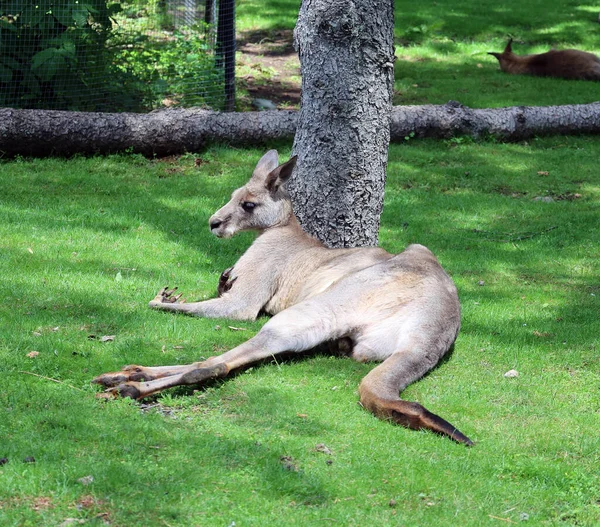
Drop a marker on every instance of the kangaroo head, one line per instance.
(506, 57)
(262, 203)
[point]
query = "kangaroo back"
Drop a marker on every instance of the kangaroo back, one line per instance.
(566, 64)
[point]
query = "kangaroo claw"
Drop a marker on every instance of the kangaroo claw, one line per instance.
(225, 281)
(167, 296)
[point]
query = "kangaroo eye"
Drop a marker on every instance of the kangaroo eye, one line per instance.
(248, 206)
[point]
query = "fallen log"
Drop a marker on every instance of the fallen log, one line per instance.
(175, 131)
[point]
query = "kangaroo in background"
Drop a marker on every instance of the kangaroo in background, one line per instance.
(400, 309)
(566, 64)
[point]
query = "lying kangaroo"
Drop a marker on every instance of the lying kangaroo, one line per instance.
(400, 309)
(566, 64)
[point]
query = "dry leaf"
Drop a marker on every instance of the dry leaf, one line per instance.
(543, 172)
(86, 480)
(86, 502)
(30, 250)
(41, 503)
(67, 522)
(107, 338)
(33, 354)
(511, 373)
(233, 328)
(302, 416)
(288, 463)
(322, 448)
(105, 395)
(541, 334)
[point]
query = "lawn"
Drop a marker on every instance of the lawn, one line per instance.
(85, 243)
(441, 48)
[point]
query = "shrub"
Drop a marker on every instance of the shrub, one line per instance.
(79, 55)
(53, 55)
(179, 65)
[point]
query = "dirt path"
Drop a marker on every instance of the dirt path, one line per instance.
(267, 68)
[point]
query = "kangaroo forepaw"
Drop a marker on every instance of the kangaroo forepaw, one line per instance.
(167, 296)
(225, 283)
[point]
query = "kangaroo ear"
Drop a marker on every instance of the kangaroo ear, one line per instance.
(508, 48)
(266, 164)
(280, 175)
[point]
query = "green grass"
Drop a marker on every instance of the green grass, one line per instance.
(442, 48)
(86, 243)
(442, 51)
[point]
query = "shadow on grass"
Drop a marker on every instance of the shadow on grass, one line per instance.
(470, 204)
(148, 453)
(482, 21)
(477, 82)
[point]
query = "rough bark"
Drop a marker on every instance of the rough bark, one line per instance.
(175, 131)
(346, 58)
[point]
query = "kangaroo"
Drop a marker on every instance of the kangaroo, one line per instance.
(401, 310)
(566, 64)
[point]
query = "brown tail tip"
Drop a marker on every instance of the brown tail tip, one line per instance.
(417, 417)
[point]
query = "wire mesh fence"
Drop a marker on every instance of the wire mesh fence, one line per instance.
(132, 55)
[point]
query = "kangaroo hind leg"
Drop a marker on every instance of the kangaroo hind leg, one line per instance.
(295, 329)
(380, 389)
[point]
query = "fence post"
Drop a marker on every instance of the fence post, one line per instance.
(226, 49)
(210, 11)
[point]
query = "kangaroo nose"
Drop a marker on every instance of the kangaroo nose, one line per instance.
(214, 224)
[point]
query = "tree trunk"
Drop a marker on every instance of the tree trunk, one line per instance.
(346, 50)
(160, 133)
(175, 131)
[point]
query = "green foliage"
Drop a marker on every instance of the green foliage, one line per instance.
(90, 55)
(52, 52)
(182, 66)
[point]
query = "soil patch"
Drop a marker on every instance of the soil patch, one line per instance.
(268, 68)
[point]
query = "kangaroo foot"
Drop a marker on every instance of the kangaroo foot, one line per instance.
(126, 389)
(138, 374)
(128, 373)
(156, 379)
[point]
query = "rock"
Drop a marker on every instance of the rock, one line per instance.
(264, 104)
